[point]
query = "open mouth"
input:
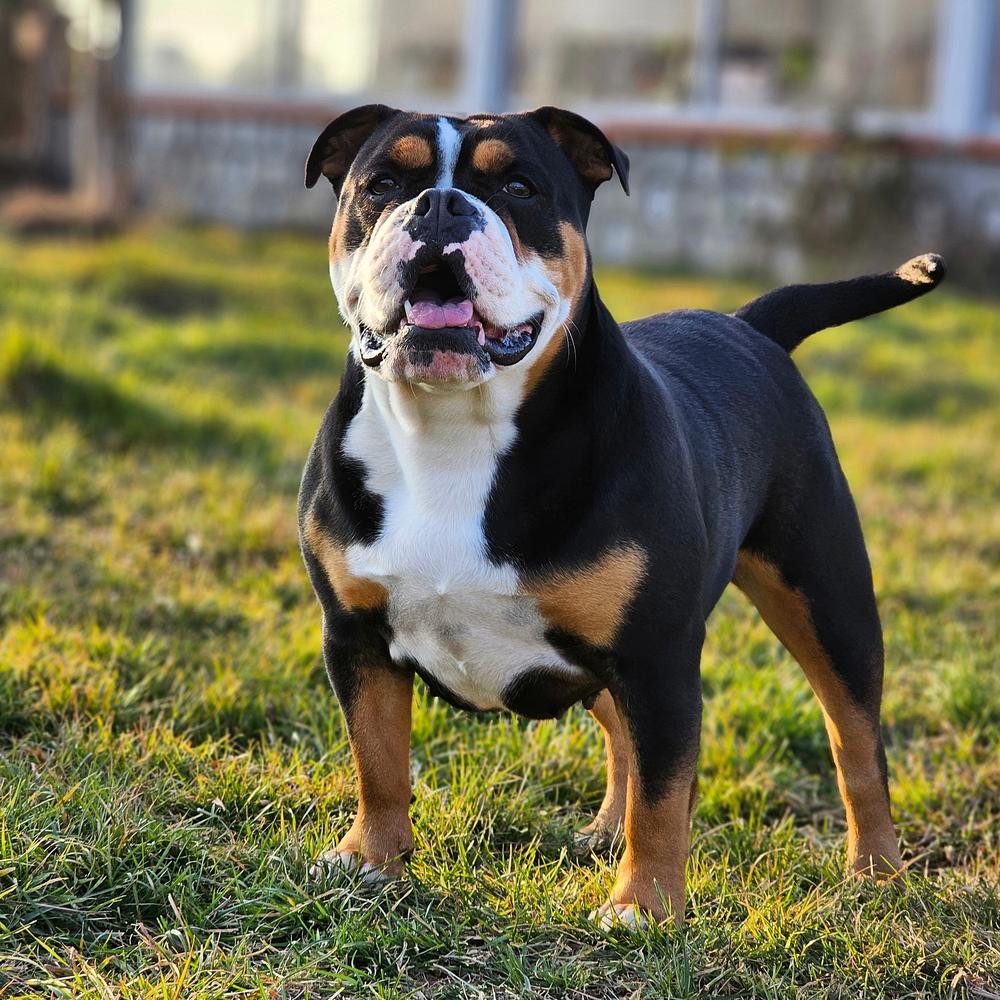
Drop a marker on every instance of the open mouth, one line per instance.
(438, 315)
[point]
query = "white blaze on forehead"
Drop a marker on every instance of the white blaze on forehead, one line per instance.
(449, 143)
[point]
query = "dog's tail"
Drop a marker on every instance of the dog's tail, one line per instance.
(788, 315)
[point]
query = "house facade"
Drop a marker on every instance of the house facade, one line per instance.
(771, 136)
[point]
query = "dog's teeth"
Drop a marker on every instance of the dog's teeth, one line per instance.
(408, 308)
(482, 337)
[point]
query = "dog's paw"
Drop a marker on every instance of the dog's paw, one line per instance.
(881, 865)
(596, 840)
(330, 864)
(617, 915)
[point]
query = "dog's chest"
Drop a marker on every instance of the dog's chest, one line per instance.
(451, 609)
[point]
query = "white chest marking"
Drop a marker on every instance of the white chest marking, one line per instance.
(449, 143)
(432, 458)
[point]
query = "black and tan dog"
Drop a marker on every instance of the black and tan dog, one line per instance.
(529, 506)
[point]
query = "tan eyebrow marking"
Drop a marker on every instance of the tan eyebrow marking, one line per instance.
(492, 155)
(411, 152)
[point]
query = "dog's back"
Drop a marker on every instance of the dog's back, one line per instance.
(754, 431)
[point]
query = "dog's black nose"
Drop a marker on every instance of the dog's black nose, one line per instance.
(442, 216)
(443, 202)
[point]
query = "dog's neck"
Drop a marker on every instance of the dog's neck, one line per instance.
(593, 364)
(416, 410)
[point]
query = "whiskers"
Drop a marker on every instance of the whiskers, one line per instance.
(568, 329)
(370, 301)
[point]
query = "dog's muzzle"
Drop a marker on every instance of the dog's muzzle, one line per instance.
(439, 336)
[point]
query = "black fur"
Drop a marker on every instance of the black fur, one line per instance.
(544, 693)
(788, 315)
(689, 434)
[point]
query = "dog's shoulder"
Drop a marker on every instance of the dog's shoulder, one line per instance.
(335, 505)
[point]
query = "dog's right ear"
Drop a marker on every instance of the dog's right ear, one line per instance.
(338, 144)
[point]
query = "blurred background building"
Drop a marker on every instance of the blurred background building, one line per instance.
(773, 136)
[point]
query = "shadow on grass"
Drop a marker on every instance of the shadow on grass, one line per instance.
(160, 294)
(946, 396)
(42, 387)
(269, 362)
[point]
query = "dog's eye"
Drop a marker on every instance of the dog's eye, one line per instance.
(383, 185)
(519, 188)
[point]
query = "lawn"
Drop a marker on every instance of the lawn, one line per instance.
(171, 758)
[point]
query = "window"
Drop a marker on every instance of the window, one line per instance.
(188, 44)
(768, 52)
(393, 49)
(828, 53)
(750, 54)
(419, 49)
(338, 46)
(590, 50)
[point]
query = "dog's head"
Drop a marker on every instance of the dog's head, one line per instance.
(457, 251)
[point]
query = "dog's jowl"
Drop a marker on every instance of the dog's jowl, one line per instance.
(529, 505)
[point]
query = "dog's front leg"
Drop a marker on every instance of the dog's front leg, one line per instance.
(660, 704)
(376, 698)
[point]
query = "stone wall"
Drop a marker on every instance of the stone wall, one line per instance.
(785, 208)
(790, 213)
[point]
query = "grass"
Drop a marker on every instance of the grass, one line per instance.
(171, 758)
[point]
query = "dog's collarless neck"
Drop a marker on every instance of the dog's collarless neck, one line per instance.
(593, 363)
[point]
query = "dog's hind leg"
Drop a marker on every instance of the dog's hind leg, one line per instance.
(813, 587)
(600, 833)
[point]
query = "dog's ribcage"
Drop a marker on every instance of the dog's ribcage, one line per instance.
(452, 610)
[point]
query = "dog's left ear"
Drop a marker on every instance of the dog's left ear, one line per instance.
(593, 154)
(339, 143)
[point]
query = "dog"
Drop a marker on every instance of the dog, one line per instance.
(528, 505)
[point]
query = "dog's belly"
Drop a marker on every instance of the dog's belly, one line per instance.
(461, 620)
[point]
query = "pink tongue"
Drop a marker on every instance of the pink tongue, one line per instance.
(435, 315)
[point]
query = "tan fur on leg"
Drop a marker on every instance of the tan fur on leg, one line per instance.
(379, 727)
(650, 880)
(854, 734)
(600, 833)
